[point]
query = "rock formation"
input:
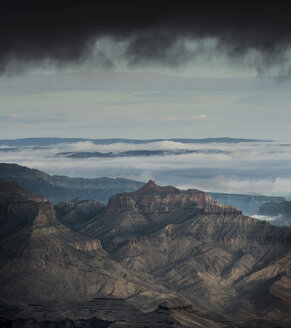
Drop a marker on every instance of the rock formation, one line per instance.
(186, 259)
(151, 208)
(61, 188)
(208, 252)
(42, 260)
(75, 213)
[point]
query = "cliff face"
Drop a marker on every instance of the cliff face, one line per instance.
(152, 198)
(43, 261)
(146, 246)
(151, 208)
(208, 252)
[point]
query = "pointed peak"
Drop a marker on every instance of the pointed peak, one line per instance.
(151, 186)
(150, 183)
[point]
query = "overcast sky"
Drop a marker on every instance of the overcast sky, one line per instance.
(152, 70)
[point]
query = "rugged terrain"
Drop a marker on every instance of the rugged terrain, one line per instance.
(59, 188)
(37, 251)
(184, 258)
(221, 260)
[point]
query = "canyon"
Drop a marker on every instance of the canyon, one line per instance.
(157, 254)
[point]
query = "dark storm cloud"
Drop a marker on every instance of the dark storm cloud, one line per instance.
(64, 32)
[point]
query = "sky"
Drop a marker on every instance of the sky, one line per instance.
(145, 70)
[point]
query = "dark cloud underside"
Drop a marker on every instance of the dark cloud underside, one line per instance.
(64, 31)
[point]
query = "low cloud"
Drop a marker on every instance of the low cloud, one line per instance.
(262, 168)
(265, 218)
(235, 184)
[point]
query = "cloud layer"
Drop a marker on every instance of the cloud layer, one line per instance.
(262, 167)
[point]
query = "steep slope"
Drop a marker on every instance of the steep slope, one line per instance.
(76, 213)
(223, 269)
(51, 277)
(208, 252)
(38, 253)
(280, 212)
(61, 188)
(149, 209)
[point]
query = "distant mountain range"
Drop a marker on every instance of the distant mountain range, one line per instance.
(186, 259)
(61, 188)
(279, 211)
(249, 204)
(134, 153)
(55, 141)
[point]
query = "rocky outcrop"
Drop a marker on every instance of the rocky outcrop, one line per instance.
(208, 252)
(42, 260)
(205, 263)
(152, 198)
(151, 208)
